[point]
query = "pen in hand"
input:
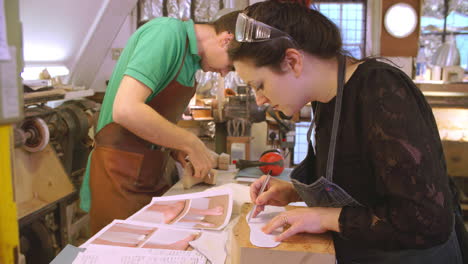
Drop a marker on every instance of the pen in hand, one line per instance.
(262, 189)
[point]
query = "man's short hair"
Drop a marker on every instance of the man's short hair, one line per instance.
(226, 22)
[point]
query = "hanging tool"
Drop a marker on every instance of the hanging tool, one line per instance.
(236, 127)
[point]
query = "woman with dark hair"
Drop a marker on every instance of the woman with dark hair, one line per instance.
(375, 173)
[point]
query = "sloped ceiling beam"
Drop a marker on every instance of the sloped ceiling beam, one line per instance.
(99, 39)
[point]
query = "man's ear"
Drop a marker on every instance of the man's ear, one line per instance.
(225, 38)
(293, 60)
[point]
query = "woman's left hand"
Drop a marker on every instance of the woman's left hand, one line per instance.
(314, 220)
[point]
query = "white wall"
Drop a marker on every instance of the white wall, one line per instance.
(259, 140)
(105, 71)
(53, 30)
(76, 34)
(79, 35)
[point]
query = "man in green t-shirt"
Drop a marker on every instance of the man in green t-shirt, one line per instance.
(150, 87)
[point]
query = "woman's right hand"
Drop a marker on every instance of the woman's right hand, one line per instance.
(277, 192)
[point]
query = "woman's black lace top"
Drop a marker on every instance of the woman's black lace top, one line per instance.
(390, 159)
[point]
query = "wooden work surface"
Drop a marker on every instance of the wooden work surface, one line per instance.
(300, 248)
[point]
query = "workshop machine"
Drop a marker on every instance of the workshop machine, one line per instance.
(241, 110)
(50, 155)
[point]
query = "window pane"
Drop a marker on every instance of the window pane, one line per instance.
(349, 17)
(457, 21)
(300, 147)
(433, 27)
(431, 21)
(462, 44)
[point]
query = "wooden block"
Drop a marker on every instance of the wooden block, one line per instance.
(224, 158)
(301, 248)
(211, 178)
(223, 161)
(188, 180)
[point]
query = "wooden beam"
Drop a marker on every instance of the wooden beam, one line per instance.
(100, 37)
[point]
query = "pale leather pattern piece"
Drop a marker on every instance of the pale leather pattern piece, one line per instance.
(257, 237)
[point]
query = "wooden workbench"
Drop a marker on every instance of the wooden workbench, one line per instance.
(300, 248)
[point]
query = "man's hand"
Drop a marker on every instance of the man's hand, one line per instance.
(179, 156)
(201, 158)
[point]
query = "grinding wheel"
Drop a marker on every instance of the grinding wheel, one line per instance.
(37, 134)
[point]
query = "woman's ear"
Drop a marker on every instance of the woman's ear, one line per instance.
(293, 60)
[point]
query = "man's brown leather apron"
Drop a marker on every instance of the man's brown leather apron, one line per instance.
(127, 171)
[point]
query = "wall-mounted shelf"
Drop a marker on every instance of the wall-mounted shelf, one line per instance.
(445, 94)
(55, 94)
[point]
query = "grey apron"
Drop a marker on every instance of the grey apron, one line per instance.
(324, 193)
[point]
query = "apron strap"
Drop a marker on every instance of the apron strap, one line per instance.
(336, 117)
(183, 59)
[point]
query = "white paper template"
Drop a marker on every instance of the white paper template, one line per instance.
(212, 244)
(257, 237)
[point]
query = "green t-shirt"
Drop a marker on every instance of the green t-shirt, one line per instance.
(153, 56)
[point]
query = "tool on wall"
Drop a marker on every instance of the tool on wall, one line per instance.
(237, 127)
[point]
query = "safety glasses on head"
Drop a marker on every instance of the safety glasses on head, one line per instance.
(251, 30)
